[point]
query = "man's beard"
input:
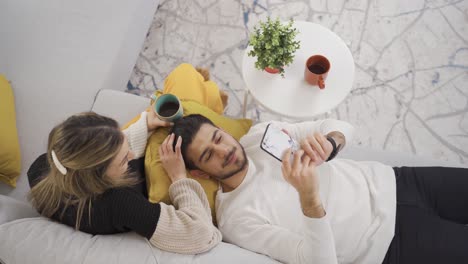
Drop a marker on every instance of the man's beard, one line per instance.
(232, 173)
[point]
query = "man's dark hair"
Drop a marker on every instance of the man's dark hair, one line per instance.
(187, 127)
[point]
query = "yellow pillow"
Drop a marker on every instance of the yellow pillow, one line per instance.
(10, 159)
(156, 178)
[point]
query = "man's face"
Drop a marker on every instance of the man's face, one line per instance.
(216, 153)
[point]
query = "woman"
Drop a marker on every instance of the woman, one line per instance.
(88, 185)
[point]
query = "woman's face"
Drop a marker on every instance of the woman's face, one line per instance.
(119, 164)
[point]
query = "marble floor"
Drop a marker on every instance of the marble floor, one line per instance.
(410, 91)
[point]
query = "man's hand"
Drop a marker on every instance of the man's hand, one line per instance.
(153, 121)
(317, 147)
(172, 161)
(302, 175)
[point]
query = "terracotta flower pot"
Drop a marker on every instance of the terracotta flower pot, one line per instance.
(271, 70)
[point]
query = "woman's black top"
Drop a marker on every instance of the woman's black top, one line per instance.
(117, 210)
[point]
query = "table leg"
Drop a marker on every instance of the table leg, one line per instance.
(244, 107)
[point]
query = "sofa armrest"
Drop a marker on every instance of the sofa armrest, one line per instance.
(118, 105)
(395, 159)
(12, 209)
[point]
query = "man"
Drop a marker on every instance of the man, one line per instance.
(316, 209)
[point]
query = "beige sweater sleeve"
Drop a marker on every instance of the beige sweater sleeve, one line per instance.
(137, 136)
(187, 226)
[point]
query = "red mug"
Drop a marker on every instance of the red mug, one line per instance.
(316, 70)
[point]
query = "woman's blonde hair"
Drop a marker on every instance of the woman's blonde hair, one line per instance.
(85, 144)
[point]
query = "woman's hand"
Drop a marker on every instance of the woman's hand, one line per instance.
(153, 121)
(172, 161)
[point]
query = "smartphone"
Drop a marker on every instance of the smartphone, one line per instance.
(275, 141)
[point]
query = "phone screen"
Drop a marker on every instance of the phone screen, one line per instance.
(275, 141)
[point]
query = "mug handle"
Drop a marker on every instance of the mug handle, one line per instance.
(321, 82)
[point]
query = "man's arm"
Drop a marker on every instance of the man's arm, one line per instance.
(338, 141)
(313, 243)
(301, 173)
(341, 131)
(322, 139)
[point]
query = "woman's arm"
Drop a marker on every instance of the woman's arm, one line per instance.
(138, 133)
(187, 226)
(184, 228)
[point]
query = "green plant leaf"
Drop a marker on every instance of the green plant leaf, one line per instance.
(273, 44)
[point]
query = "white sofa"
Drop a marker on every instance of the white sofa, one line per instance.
(58, 55)
(27, 238)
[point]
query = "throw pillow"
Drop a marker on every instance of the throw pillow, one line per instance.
(10, 159)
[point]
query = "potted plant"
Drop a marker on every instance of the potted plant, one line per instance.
(274, 45)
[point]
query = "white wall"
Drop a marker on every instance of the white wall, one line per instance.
(58, 54)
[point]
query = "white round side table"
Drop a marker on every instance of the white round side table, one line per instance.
(292, 96)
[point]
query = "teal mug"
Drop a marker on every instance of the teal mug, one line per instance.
(168, 107)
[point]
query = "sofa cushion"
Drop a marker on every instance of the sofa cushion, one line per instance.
(39, 240)
(51, 242)
(10, 159)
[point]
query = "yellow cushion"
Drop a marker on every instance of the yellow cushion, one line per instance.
(157, 180)
(198, 97)
(10, 159)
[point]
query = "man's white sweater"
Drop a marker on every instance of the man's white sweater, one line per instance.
(263, 213)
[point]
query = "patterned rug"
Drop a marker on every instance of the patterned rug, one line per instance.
(410, 92)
